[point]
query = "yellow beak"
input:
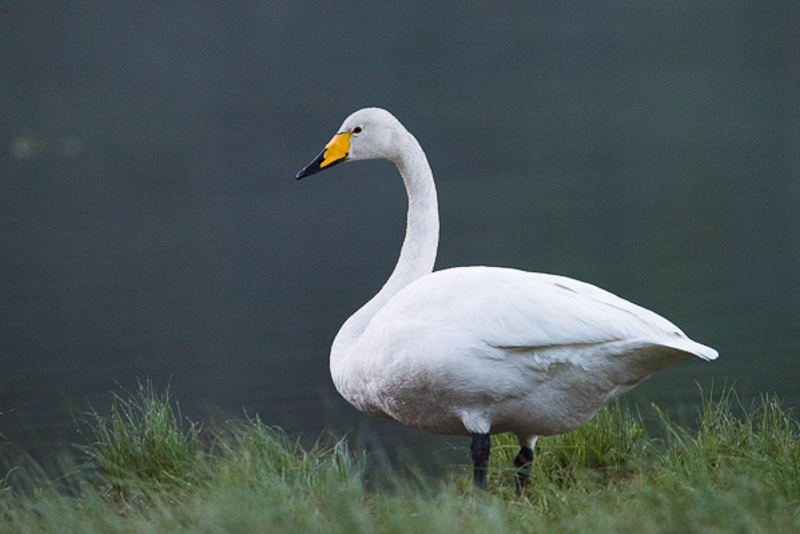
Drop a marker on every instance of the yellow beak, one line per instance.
(335, 152)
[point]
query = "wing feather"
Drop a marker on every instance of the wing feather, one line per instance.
(520, 311)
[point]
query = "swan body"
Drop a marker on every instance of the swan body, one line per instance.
(483, 350)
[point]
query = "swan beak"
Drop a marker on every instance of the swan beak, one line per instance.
(335, 152)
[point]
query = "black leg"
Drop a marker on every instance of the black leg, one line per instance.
(480, 458)
(522, 463)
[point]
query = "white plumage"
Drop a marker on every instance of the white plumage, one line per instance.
(483, 350)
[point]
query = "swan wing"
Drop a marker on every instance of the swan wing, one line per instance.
(517, 311)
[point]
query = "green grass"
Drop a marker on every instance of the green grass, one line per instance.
(142, 443)
(145, 469)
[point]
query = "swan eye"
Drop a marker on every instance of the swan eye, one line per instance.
(357, 129)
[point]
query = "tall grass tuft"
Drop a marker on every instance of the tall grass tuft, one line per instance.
(143, 441)
(761, 440)
(265, 456)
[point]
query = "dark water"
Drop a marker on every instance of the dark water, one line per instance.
(151, 226)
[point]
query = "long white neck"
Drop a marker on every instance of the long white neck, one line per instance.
(419, 246)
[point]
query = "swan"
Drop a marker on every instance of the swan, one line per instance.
(481, 350)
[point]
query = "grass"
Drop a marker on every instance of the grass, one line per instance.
(142, 442)
(146, 469)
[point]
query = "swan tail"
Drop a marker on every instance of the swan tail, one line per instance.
(694, 348)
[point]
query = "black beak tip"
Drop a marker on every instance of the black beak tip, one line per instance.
(308, 171)
(313, 167)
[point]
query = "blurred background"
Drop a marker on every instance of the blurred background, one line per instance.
(151, 226)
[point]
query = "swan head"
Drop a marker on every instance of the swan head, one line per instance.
(369, 133)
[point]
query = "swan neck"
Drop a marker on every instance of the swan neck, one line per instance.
(418, 253)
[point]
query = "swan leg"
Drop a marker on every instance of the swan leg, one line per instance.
(522, 464)
(480, 448)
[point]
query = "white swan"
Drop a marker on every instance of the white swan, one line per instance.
(483, 350)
